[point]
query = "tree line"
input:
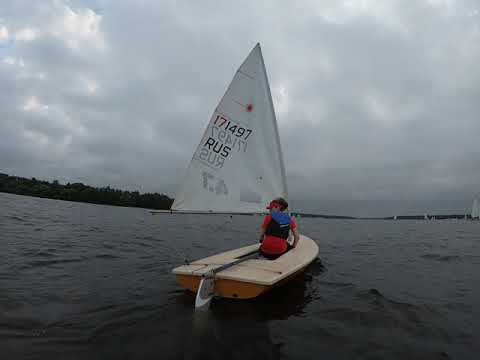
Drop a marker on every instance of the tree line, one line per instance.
(82, 193)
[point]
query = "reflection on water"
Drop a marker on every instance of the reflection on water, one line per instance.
(239, 329)
(218, 337)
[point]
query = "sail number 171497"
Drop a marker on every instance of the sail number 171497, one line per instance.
(229, 125)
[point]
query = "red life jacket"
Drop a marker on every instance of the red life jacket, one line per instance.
(276, 234)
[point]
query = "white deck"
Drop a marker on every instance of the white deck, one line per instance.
(256, 271)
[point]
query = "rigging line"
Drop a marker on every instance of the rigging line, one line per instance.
(239, 103)
(244, 265)
(247, 75)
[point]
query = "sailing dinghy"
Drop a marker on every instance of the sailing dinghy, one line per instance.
(238, 168)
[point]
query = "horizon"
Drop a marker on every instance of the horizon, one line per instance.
(377, 104)
(296, 211)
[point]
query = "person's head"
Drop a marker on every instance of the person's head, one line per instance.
(278, 204)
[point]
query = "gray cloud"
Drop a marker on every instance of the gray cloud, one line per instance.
(377, 103)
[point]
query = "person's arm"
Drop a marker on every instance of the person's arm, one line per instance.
(262, 234)
(264, 226)
(296, 236)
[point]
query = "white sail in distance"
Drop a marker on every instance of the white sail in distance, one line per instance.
(238, 165)
(475, 209)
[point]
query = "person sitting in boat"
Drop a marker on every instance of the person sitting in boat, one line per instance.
(275, 230)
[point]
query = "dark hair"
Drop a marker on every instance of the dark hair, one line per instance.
(282, 202)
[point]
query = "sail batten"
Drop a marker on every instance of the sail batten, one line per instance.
(238, 165)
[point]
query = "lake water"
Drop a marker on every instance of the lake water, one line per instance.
(82, 281)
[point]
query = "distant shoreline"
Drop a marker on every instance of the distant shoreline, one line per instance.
(79, 192)
(401, 217)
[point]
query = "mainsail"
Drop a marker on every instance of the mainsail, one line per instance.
(238, 165)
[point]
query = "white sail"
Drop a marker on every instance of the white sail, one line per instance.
(475, 209)
(238, 165)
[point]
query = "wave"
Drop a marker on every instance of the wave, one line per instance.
(438, 257)
(41, 263)
(107, 256)
(16, 218)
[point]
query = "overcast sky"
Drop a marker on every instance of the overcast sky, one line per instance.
(378, 102)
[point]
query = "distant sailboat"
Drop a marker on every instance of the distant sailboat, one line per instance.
(395, 217)
(475, 209)
(425, 216)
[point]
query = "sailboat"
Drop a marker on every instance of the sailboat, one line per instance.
(238, 168)
(475, 209)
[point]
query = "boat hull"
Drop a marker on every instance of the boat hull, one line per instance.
(232, 289)
(252, 277)
(224, 288)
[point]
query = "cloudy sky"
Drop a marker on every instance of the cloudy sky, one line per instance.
(378, 102)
